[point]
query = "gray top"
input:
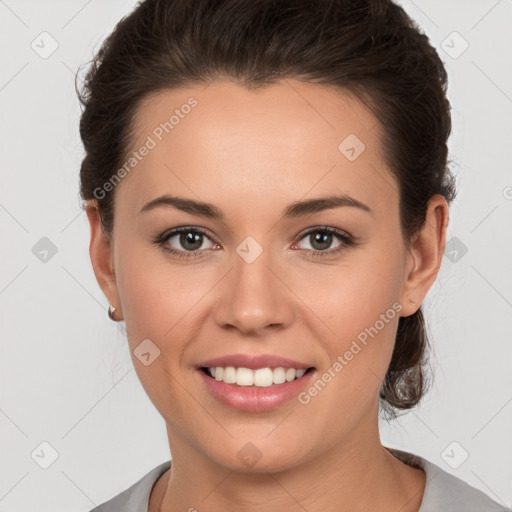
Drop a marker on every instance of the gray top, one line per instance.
(443, 491)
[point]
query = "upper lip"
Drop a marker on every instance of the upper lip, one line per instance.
(254, 362)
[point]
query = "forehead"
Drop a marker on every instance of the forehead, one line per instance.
(279, 142)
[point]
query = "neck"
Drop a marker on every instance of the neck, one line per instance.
(358, 475)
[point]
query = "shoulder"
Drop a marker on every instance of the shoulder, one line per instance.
(444, 491)
(136, 497)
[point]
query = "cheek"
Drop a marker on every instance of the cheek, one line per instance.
(353, 295)
(338, 303)
(357, 302)
(161, 300)
(158, 305)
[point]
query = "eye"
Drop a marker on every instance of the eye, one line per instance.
(185, 242)
(320, 240)
(192, 242)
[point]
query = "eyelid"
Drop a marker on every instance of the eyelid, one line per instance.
(180, 229)
(347, 240)
(329, 229)
(187, 229)
(162, 241)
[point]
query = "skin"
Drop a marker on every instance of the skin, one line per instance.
(251, 154)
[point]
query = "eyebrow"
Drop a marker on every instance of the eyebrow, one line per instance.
(295, 209)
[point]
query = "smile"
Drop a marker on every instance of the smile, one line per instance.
(254, 382)
(260, 377)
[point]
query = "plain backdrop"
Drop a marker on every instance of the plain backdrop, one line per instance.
(71, 401)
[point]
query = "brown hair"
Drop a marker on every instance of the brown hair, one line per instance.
(370, 48)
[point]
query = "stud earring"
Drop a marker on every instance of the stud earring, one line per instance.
(111, 311)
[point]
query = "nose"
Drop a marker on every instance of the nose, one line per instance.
(254, 298)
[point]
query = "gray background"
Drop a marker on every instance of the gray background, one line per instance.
(67, 379)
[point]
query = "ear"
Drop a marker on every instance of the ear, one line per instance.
(101, 253)
(425, 256)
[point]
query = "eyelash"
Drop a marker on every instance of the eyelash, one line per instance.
(348, 241)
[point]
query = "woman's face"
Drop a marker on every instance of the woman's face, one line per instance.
(257, 275)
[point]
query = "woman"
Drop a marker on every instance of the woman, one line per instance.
(300, 149)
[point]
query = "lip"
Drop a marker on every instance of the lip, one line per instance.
(255, 398)
(254, 362)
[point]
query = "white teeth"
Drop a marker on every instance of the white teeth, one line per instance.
(262, 377)
(279, 376)
(290, 374)
(244, 377)
(300, 373)
(229, 376)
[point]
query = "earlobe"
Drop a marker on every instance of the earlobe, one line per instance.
(100, 251)
(425, 255)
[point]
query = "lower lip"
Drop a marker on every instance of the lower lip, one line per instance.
(255, 398)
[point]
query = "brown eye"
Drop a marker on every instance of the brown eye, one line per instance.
(191, 240)
(185, 242)
(319, 241)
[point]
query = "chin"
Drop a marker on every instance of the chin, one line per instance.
(258, 457)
